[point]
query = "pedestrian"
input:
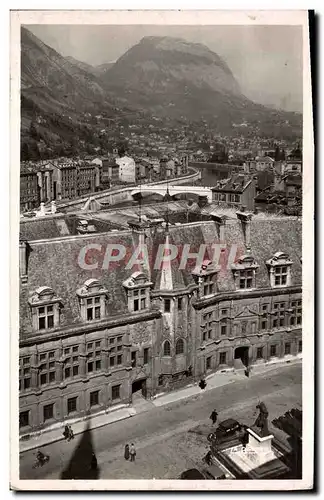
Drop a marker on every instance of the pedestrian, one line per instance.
(202, 384)
(247, 371)
(213, 416)
(132, 452)
(126, 453)
(94, 462)
(66, 432)
(71, 434)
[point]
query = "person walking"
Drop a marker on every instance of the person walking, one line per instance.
(126, 453)
(213, 416)
(132, 452)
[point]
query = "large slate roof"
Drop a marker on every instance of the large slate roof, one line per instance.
(54, 262)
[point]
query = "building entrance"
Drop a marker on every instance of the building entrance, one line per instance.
(242, 353)
(139, 387)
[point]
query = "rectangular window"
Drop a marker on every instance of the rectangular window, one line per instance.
(222, 358)
(280, 274)
(279, 315)
(259, 352)
(71, 363)
(119, 359)
(72, 404)
(23, 419)
(43, 378)
(94, 398)
(264, 324)
(146, 356)
(273, 350)
(223, 328)
(93, 309)
(246, 279)
(167, 305)
(287, 348)
(209, 285)
(296, 314)
(300, 346)
(180, 304)
(24, 373)
(119, 340)
(48, 412)
(94, 356)
(115, 392)
(208, 363)
(208, 325)
(45, 317)
(112, 361)
(133, 359)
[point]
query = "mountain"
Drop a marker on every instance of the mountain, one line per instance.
(58, 95)
(102, 68)
(82, 65)
(172, 77)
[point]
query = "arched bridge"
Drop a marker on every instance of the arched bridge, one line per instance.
(174, 190)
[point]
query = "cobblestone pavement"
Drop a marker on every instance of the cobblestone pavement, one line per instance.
(164, 445)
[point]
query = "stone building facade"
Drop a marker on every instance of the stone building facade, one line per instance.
(95, 329)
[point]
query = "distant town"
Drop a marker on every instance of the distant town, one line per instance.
(260, 174)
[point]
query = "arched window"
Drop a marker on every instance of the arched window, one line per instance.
(180, 346)
(166, 348)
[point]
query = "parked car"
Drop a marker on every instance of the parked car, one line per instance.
(227, 428)
(192, 474)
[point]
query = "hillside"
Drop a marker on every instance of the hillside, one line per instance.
(59, 99)
(172, 77)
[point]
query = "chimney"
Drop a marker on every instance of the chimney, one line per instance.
(53, 207)
(23, 249)
(245, 219)
(220, 221)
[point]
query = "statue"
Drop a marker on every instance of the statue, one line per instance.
(262, 420)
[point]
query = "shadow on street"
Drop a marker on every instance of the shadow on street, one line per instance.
(79, 466)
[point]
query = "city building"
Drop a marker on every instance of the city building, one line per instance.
(127, 169)
(93, 334)
(29, 190)
(110, 172)
(86, 178)
(238, 190)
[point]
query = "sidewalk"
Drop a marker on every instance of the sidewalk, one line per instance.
(48, 436)
(54, 434)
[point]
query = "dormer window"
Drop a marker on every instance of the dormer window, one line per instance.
(244, 271)
(138, 292)
(206, 277)
(92, 298)
(45, 317)
(45, 308)
(280, 270)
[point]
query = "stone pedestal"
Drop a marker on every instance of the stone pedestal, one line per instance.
(261, 446)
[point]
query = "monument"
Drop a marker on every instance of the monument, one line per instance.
(253, 455)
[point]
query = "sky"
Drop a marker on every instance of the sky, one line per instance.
(265, 60)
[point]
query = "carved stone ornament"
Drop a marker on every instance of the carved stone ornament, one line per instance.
(140, 334)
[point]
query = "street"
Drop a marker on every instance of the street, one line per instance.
(171, 438)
